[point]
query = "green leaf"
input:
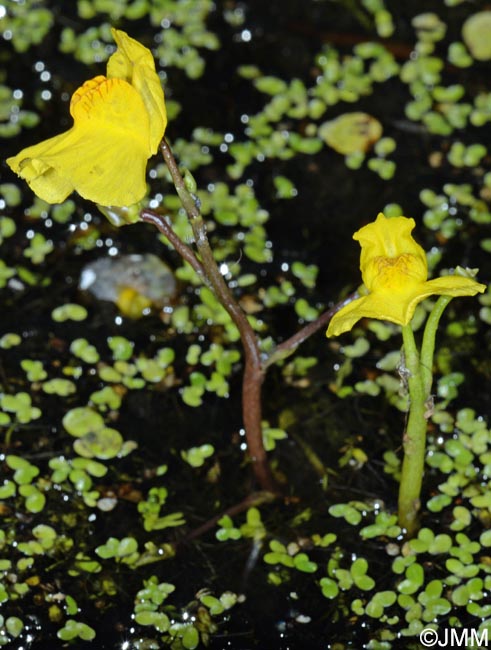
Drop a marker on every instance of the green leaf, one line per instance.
(104, 444)
(329, 588)
(190, 638)
(82, 420)
(70, 311)
(413, 581)
(196, 456)
(73, 629)
(158, 620)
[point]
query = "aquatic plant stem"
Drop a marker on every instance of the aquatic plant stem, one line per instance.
(187, 253)
(428, 345)
(255, 364)
(414, 439)
(253, 371)
(287, 347)
(251, 501)
(420, 370)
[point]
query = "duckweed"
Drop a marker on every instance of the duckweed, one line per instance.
(476, 31)
(20, 405)
(70, 311)
(440, 573)
(10, 340)
(103, 443)
(196, 456)
(82, 420)
(83, 350)
(227, 530)
(271, 435)
(76, 630)
(34, 369)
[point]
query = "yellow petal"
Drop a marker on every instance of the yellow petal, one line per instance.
(103, 156)
(381, 305)
(32, 164)
(390, 238)
(134, 63)
(455, 285)
(347, 317)
(398, 307)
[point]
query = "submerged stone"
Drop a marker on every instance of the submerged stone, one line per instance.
(134, 282)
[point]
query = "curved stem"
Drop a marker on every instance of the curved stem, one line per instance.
(252, 501)
(428, 345)
(253, 372)
(414, 440)
(284, 349)
(160, 222)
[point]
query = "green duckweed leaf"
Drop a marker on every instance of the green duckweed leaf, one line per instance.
(302, 562)
(285, 189)
(24, 471)
(158, 620)
(10, 340)
(196, 456)
(271, 435)
(348, 512)
(82, 349)
(11, 194)
(8, 489)
(227, 530)
(70, 311)
(121, 348)
(14, 626)
(115, 548)
(191, 395)
(485, 538)
(104, 443)
(476, 34)
(82, 420)
(190, 637)
(20, 404)
(74, 629)
(413, 581)
(34, 369)
(329, 588)
(106, 398)
(34, 499)
(39, 247)
(358, 572)
(61, 387)
(375, 607)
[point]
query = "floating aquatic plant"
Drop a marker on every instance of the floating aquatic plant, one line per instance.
(438, 576)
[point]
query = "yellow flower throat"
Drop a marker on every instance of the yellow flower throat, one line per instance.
(393, 272)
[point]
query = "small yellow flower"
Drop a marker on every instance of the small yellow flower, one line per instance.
(394, 271)
(119, 121)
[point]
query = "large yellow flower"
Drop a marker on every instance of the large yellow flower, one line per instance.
(119, 121)
(394, 271)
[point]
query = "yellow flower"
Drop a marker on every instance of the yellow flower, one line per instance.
(119, 121)
(394, 271)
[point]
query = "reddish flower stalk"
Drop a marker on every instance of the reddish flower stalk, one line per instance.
(254, 366)
(253, 372)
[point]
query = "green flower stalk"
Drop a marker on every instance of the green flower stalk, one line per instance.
(395, 272)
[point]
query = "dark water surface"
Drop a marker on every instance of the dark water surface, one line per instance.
(315, 228)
